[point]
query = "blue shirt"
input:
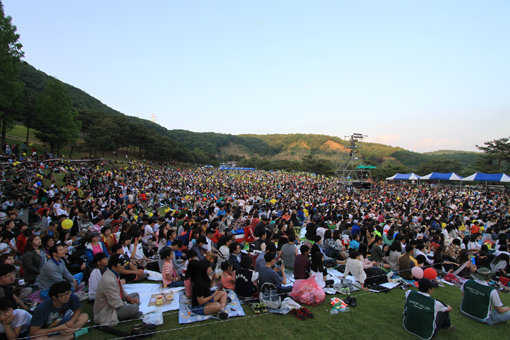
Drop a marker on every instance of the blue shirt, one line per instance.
(47, 316)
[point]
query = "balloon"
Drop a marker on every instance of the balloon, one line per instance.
(430, 273)
(67, 224)
(417, 272)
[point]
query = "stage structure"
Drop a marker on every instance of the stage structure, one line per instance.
(347, 168)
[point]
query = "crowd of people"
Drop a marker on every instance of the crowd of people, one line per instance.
(76, 231)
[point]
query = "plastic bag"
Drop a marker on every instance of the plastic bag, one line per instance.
(153, 318)
(308, 292)
(338, 305)
(290, 304)
(269, 296)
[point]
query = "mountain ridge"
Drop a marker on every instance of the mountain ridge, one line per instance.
(213, 147)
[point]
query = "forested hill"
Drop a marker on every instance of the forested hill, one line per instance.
(105, 129)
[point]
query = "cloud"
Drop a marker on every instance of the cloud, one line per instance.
(385, 139)
(428, 144)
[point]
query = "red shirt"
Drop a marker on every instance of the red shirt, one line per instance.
(475, 229)
(21, 243)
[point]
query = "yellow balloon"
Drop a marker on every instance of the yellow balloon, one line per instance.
(67, 224)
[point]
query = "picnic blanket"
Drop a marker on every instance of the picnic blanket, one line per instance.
(234, 308)
(146, 292)
(154, 276)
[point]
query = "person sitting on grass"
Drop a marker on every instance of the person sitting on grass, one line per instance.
(170, 276)
(228, 276)
(270, 273)
(8, 284)
(246, 278)
(130, 272)
(60, 316)
(14, 323)
(481, 301)
(319, 271)
(112, 303)
(203, 301)
(33, 259)
(302, 263)
(101, 263)
(54, 271)
(424, 315)
(354, 266)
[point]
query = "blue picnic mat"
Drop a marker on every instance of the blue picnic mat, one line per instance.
(234, 308)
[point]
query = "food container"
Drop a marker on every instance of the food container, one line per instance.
(160, 299)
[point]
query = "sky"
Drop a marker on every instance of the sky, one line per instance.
(422, 75)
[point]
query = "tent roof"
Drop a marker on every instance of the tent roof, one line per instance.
(480, 176)
(407, 177)
(450, 176)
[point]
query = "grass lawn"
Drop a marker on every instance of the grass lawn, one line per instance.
(377, 315)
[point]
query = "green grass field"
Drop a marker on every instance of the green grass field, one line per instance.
(376, 316)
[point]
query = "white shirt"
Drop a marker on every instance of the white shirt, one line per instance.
(139, 251)
(355, 267)
(94, 278)
(319, 278)
(21, 319)
(147, 232)
(126, 251)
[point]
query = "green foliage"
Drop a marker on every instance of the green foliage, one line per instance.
(10, 56)
(497, 150)
(10, 86)
(103, 136)
(56, 117)
(411, 159)
(389, 168)
(441, 164)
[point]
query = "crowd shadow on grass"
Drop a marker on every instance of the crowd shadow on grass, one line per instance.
(376, 316)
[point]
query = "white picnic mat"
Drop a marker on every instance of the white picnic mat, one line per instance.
(146, 290)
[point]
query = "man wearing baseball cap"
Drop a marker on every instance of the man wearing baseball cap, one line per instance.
(481, 301)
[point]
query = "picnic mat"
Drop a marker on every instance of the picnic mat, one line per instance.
(166, 301)
(234, 308)
(146, 292)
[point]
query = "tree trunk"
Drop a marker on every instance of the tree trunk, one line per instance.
(4, 129)
(28, 134)
(71, 151)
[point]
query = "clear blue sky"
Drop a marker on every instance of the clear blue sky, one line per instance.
(423, 75)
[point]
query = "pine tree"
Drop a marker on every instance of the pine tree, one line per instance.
(10, 58)
(56, 118)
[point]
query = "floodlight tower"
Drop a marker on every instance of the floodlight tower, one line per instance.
(345, 168)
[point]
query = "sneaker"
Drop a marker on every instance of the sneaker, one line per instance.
(222, 315)
(80, 332)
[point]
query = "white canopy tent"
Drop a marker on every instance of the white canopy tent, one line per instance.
(405, 177)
